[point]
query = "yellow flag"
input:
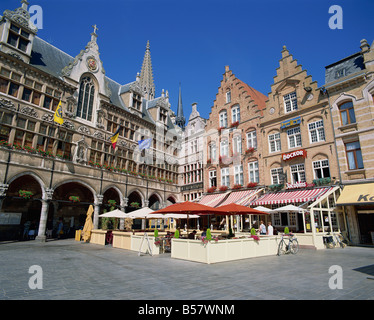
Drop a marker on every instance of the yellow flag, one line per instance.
(58, 114)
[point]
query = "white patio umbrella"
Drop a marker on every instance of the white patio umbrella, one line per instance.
(289, 207)
(113, 214)
(139, 214)
(264, 209)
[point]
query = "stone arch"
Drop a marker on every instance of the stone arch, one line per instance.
(83, 183)
(343, 97)
(112, 193)
(155, 201)
(33, 175)
(171, 198)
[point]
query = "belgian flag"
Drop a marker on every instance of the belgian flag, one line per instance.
(114, 138)
(58, 114)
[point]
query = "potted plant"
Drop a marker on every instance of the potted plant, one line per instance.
(252, 185)
(223, 188)
(25, 194)
(211, 189)
(237, 186)
(74, 199)
(134, 204)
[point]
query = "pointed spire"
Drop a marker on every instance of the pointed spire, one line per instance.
(146, 75)
(180, 119)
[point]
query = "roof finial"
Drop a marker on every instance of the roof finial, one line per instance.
(25, 4)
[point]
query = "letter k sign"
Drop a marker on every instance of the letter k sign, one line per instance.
(365, 198)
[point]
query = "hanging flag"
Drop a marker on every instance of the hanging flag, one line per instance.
(58, 114)
(114, 138)
(144, 144)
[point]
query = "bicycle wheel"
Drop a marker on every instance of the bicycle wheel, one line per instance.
(294, 246)
(282, 248)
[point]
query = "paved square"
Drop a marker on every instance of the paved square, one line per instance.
(76, 270)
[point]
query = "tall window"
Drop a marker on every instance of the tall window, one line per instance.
(225, 177)
(294, 137)
(223, 119)
(238, 174)
(224, 147)
(235, 114)
(321, 169)
(213, 178)
(276, 175)
(253, 171)
(228, 96)
(18, 38)
(237, 140)
(354, 155)
(316, 131)
(212, 151)
(252, 140)
(298, 173)
(290, 102)
(86, 99)
(274, 142)
(347, 113)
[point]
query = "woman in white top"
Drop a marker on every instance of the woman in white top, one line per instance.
(270, 229)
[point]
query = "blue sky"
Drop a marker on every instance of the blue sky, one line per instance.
(192, 41)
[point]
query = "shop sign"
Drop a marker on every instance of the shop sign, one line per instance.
(291, 122)
(294, 154)
(298, 185)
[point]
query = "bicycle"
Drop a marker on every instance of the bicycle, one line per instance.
(291, 247)
(339, 240)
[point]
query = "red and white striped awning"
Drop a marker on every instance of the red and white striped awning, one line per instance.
(290, 196)
(247, 200)
(213, 200)
(238, 196)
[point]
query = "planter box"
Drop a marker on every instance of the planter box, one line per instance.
(98, 236)
(223, 250)
(136, 241)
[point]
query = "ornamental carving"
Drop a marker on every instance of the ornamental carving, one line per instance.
(135, 87)
(47, 117)
(98, 135)
(29, 112)
(80, 155)
(84, 130)
(68, 125)
(21, 17)
(7, 104)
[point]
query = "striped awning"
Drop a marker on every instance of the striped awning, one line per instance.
(213, 200)
(238, 196)
(299, 196)
(247, 199)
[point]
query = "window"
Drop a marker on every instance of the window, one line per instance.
(163, 115)
(86, 99)
(18, 38)
(354, 155)
(290, 102)
(235, 114)
(253, 171)
(276, 175)
(223, 119)
(321, 169)
(4, 85)
(298, 173)
(274, 142)
(6, 119)
(225, 177)
(224, 148)
(228, 96)
(237, 144)
(26, 95)
(64, 145)
(252, 140)
(212, 178)
(212, 151)
(347, 113)
(316, 131)
(238, 174)
(294, 137)
(13, 89)
(136, 101)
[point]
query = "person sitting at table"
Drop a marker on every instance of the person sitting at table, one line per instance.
(203, 234)
(192, 235)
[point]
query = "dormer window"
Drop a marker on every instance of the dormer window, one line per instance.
(136, 101)
(18, 38)
(228, 96)
(163, 115)
(290, 102)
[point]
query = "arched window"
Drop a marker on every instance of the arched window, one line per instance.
(223, 119)
(86, 99)
(347, 113)
(235, 114)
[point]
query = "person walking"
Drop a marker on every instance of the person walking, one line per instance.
(270, 229)
(262, 228)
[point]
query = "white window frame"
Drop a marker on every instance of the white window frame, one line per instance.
(237, 144)
(238, 174)
(253, 172)
(235, 114)
(290, 102)
(212, 151)
(299, 171)
(320, 165)
(224, 148)
(274, 142)
(225, 176)
(223, 119)
(275, 174)
(294, 137)
(228, 96)
(252, 139)
(212, 175)
(316, 131)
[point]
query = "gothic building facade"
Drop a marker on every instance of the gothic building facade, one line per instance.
(52, 171)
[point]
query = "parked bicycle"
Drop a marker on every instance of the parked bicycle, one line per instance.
(331, 241)
(290, 246)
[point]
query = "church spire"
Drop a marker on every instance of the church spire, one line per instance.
(180, 119)
(146, 76)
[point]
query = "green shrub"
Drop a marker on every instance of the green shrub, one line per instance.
(286, 230)
(253, 232)
(156, 233)
(176, 234)
(208, 234)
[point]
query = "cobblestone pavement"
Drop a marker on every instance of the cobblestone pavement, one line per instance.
(76, 270)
